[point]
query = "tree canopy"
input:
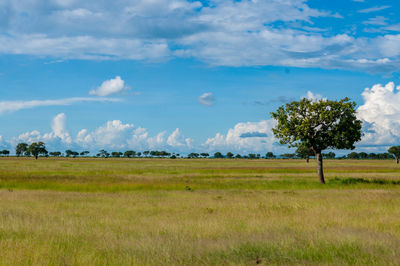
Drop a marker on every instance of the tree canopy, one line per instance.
(395, 150)
(36, 149)
(319, 125)
(21, 149)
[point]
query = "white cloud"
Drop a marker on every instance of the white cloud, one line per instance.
(373, 9)
(59, 128)
(206, 99)
(12, 106)
(109, 87)
(230, 33)
(176, 139)
(117, 135)
(313, 96)
(58, 137)
(245, 137)
(381, 115)
(378, 20)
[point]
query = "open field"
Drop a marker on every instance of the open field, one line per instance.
(203, 211)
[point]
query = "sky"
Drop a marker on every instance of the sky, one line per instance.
(191, 76)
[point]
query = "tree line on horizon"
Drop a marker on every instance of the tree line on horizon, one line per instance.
(37, 149)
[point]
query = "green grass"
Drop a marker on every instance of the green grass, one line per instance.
(198, 212)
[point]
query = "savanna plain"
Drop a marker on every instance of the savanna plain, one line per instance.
(88, 211)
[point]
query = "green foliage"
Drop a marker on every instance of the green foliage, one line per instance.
(269, 155)
(129, 154)
(103, 153)
(229, 155)
(318, 124)
(218, 155)
(395, 150)
(5, 152)
(193, 155)
(303, 151)
(329, 155)
(55, 154)
(69, 153)
(21, 149)
(84, 153)
(353, 155)
(116, 154)
(36, 149)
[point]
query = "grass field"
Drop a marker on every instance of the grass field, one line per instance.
(203, 211)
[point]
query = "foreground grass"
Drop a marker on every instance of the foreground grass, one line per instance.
(197, 212)
(200, 227)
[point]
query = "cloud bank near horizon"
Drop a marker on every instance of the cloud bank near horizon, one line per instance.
(380, 114)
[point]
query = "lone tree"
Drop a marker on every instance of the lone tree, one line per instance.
(304, 152)
(395, 150)
(319, 125)
(36, 149)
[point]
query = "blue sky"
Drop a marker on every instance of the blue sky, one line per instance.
(191, 75)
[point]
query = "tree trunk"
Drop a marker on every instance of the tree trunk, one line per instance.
(36, 157)
(397, 160)
(307, 159)
(320, 168)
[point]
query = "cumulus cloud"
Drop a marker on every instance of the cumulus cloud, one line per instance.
(58, 137)
(245, 137)
(206, 99)
(12, 106)
(114, 135)
(59, 128)
(230, 33)
(117, 135)
(109, 87)
(381, 114)
(176, 139)
(313, 96)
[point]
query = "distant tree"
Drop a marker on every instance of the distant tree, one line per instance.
(84, 153)
(68, 153)
(116, 154)
(329, 155)
(319, 125)
(146, 153)
(204, 155)
(372, 155)
(269, 155)
(103, 153)
(218, 155)
(139, 154)
(288, 155)
(193, 155)
(5, 152)
(55, 153)
(304, 152)
(21, 149)
(36, 149)
(252, 156)
(129, 154)
(229, 155)
(173, 156)
(353, 155)
(238, 156)
(382, 156)
(395, 150)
